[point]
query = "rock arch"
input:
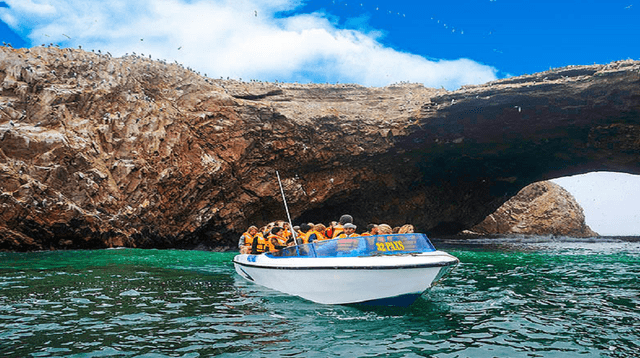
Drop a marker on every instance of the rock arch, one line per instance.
(134, 152)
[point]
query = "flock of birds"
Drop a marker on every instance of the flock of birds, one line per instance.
(376, 9)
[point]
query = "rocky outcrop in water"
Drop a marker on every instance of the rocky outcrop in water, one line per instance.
(98, 151)
(542, 208)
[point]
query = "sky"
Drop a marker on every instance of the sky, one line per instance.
(441, 44)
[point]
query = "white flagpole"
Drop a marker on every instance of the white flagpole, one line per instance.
(293, 232)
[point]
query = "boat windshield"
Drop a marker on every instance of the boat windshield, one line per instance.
(360, 246)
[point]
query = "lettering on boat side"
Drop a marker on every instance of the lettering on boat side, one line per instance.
(390, 246)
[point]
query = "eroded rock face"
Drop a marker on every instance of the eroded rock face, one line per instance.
(542, 208)
(98, 151)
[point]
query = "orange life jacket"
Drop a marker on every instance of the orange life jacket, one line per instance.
(343, 235)
(337, 230)
(248, 241)
(328, 232)
(261, 245)
(279, 241)
(303, 238)
(319, 236)
(269, 246)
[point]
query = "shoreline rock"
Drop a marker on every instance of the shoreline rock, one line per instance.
(542, 208)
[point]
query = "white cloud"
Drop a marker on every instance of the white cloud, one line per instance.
(38, 8)
(241, 39)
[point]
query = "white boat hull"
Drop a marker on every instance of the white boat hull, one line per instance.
(393, 279)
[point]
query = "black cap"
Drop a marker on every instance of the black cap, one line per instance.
(344, 219)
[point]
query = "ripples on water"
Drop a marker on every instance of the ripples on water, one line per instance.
(531, 299)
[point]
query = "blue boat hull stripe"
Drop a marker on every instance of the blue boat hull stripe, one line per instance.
(247, 276)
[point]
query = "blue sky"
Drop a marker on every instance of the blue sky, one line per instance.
(373, 43)
(515, 37)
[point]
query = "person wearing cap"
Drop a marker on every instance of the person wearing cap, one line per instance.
(339, 229)
(349, 231)
(347, 240)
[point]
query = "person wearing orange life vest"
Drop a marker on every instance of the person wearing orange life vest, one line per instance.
(287, 229)
(309, 234)
(372, 229)
(346, 240)
(320, 229)
(259, 244)
(349, 231)
(276, 241)
(328, 232)
(339, 229)
(244, 244)
(252, 241)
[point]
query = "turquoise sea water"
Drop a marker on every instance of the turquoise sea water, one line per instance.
(531, 299)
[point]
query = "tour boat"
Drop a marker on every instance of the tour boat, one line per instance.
(379, 269)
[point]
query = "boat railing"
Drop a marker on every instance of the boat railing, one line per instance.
(371, 245)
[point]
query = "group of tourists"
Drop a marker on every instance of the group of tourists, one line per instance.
(278, 235)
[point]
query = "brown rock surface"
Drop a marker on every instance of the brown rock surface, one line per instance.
(542, 208)
(98, 151)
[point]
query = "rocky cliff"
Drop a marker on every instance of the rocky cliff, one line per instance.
(542, 208)
(97, 151)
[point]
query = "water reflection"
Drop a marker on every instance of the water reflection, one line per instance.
(544, 300)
